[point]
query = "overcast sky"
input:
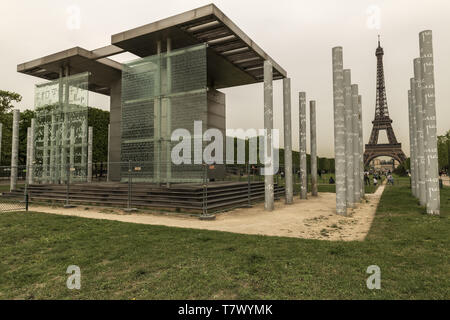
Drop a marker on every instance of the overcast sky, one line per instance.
(298, 34)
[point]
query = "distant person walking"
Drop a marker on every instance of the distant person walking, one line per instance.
(375, 181)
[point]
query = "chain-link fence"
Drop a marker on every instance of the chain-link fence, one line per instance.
(16, 201)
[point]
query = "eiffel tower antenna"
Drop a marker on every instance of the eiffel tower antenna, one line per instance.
(382, 120)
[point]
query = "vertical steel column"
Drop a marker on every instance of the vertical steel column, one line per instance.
(411, 143)
(268, 126)
(430, 134)
(339, 130)
(361, 149)
(65, 126)
(157, 118)
(349, 138)
(89, 160)
(45, 157)
(420, 132)
(169, 113)
(312, 126)
(15, 149)
(302, 135)
(84, 146)
(52, 148)
(72, 151)
(356, 156)
(287, 123)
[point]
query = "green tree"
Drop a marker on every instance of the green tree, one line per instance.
(6, 99)
(444, 151)
(99, 119)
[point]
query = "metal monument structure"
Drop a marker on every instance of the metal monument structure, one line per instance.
(382, 121)
(183, 61)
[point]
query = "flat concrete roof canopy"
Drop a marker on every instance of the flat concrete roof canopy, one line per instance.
(233, 58)
(103, 71)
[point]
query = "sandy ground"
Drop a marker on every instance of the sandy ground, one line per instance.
(446, 181)
(310, 219)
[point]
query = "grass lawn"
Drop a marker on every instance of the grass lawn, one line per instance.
(126, 261)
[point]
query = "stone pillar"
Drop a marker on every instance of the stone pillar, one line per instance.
(109, 142)
(419, 124)
(430, 134)
(339, 130)
(28, 158)
(415, 163)
(302, 135)
(411, 143)
(287, 124)
(356, 155)
(268, 126)
(32, 155)
(15, 149)
(349, 174)
(89, 160)
(361, 149)
(312, 125)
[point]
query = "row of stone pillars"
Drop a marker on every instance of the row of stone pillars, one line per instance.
(422, 128)
(348, 137)
(30, 156)
(287, 124)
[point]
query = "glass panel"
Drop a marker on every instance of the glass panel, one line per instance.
(160, 94)
(61, 113)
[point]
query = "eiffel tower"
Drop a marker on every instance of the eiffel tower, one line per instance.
(382, 121)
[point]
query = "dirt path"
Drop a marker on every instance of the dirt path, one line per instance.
(310, 219)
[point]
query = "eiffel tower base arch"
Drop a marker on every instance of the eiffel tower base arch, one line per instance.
(384, 150)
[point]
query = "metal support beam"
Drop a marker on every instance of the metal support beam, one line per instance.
(302, 129)
(430, 133)
(339, 130)
(287, 124)
(312, 127)
(268, 126)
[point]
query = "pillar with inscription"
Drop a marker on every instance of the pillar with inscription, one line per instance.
(339, 130)
(361, 149)
(312, 126)
(430, 134)
(287, 124)
(268, 126)
(302, 131)
(15, 149)
(420, 132)
(349, 139)
(356, 155)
